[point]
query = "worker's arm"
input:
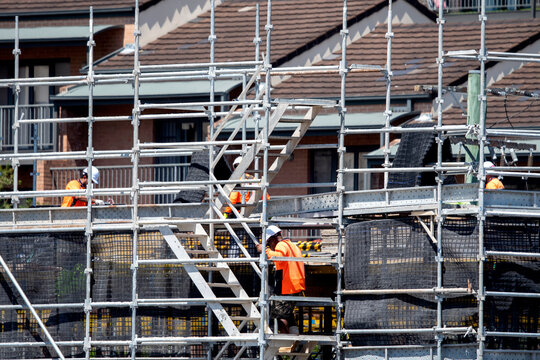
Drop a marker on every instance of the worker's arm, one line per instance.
(278, 252)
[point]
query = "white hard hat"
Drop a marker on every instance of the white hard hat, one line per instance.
(95, 174)
(488, 164)
(271, 231)
(237, 161)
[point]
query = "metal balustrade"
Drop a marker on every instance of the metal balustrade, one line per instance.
(46, 132)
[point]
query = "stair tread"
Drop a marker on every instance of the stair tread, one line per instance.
(202, 251)
(190, 236)
(245, 317)
(294, 120)
(224, 285)
(213, 268)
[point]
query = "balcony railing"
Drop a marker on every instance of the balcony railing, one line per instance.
(456, 6)
(121, 176)
(46, 133)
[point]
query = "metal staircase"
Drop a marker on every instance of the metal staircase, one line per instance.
(279, 158)
(206, 288)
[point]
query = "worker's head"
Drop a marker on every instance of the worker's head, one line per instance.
(487, 165)
(236, 162)
(273, 236)
(95, 175)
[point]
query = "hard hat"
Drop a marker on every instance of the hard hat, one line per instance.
(271, 231)
(237, 161)
(95, 174)
(488, 164)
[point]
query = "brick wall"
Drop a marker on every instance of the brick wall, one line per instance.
(106, 42)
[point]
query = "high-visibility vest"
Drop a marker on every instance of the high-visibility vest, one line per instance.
(294, 274)
(69, 201)
(236, 196)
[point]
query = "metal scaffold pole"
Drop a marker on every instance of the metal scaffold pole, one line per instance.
(264, 303)
(482, 182)
(90, 186)
(388, 112)
(135, 190)
(211, 118)
(16, 126)
(340, 176)
(439, 337)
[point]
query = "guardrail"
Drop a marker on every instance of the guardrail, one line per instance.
(457, 6)
(45, 133)
(120, 176)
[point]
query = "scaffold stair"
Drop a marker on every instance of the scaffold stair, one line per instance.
(279, 159)
(205, 288)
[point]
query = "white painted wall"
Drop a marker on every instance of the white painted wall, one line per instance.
(167, 15)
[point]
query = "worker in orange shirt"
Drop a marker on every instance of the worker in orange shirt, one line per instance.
(492, 182)
(80, 184)
(239, 197)
(292, 274)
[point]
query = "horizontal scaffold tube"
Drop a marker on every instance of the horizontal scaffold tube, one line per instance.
(409, 291)
(200, 65)
(513, 173)
(197, 261)
(244, 338)
(303, 259)
(402, 170)
(511, 334)
(492, 253)
(408, 331)
(463, 128)
(193, 104)
(512, 294)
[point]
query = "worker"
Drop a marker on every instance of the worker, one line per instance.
(492, 182)
(80, 184)
(290, 275)
(239, 197)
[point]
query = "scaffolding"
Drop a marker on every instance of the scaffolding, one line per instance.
(187, 233)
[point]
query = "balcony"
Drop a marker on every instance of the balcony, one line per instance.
(473, 6)
(46, 133)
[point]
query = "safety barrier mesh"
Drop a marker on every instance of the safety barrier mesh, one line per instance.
(51, 270)
(399, 254)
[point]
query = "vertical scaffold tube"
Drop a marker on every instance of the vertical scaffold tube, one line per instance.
(482, 182)
(135, 121)
(387, 112)
(264, 183)
(90, 186)
(16, 125)
(211, 118)
(341, 174)
(439, 257)
(257, 40)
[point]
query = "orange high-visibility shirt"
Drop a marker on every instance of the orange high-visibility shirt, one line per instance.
(236, 196)
(494, 184)
(294, 275)
(69, 201)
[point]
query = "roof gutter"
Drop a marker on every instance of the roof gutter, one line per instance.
(40, 15)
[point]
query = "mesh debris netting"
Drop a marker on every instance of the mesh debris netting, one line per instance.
(416, 149)
(51, 270)
(398, 254)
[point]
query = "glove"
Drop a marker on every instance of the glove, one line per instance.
(99, 202)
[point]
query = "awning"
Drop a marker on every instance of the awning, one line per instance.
(51, 33)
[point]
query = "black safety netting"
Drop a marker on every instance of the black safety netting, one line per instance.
(399, 254)
(512, 274)
(418, 149)
(51, 270)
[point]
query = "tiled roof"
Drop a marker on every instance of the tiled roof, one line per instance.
(296, 23)
(414, 51)
(49, 6)
(521, 111)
